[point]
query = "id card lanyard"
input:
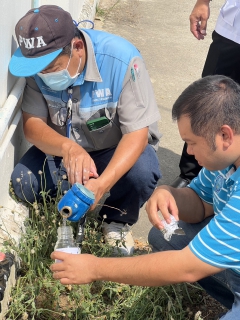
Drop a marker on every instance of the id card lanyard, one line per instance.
(69, 113)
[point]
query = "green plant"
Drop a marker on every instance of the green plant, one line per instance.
(38, 296)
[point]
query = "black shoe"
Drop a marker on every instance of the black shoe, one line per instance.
(179, 182)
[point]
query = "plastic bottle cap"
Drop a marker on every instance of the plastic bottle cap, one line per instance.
(2, 256)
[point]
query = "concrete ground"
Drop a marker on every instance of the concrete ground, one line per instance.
(174, 58)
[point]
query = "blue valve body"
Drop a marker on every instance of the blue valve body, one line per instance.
(78, 199)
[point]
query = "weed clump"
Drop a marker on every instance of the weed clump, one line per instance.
(38, 296)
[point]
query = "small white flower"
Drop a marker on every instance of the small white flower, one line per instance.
(64, 176)
(40, 172)
(104, 216)
(18, 179)
(24, 316)
(29, 172)
(32, 251)
(35, 205)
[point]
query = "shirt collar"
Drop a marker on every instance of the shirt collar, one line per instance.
(91, 69)
(233, 174)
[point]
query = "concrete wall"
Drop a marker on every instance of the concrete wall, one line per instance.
(12, 142)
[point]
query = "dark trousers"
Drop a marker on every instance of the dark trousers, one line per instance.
(37, 172)
(223, 286)
(224, 59)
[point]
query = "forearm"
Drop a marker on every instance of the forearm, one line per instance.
(44, 137)
(157, 269)
(125, 156)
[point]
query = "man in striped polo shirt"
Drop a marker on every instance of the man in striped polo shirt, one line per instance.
(208, 117)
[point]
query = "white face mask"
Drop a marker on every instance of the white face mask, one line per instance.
(59, 80)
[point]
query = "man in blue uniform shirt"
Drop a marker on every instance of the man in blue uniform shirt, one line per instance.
(208, 117)
(89, 107)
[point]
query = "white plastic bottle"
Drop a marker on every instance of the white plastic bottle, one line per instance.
(65, 241)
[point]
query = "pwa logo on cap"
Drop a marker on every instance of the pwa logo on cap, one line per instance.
(30, 43)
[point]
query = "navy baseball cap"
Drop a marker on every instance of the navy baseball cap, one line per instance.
(41, 34)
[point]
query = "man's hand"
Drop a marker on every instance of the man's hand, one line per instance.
(198, 19)
(183, 204)
(78, 163)
(163, 201)
(74, 268)
(76, 160)
(98, 188)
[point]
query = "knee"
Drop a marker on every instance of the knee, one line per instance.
(25, 184)
(147, 168)
(143, 179)
(152, 236)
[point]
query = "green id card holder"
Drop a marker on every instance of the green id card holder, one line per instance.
(97, 123)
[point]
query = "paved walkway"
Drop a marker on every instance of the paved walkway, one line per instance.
(174, 58)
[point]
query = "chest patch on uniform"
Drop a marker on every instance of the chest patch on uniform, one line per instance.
(218, 183)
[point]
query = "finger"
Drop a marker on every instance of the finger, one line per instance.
(58, 255)
(203, 27)
(70, 171)
(165, 213)
(65, 281)
(93, 169)
(194, 27)
(78, 171)
(59, 275)
(86, 169)
(174, 210)
(153, 216)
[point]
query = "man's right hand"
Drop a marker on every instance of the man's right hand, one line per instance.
(198, 19)
(78, 163)
(161, 200)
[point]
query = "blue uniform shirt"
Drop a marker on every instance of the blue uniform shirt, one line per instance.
(114, 84)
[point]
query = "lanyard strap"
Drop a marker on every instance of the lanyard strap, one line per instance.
(69, 112)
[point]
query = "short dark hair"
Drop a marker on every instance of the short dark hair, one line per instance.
(210, 102)
(67, 49)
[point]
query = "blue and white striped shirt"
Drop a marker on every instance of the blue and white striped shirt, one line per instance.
(218, 244)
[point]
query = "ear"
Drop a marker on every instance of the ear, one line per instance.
(227, 135)
(78, 44)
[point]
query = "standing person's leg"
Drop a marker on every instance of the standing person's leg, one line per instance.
(223, 58)
(128, 194)
(215, 285)
(38, 172)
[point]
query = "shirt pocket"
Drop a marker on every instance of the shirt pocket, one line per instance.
(58, 114)
(106, 136)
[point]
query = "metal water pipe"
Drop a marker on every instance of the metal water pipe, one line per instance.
(6, 114)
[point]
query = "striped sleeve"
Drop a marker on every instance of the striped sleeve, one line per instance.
(218, 244)
(202, 185)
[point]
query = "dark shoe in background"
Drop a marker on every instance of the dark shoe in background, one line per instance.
(180, 182)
